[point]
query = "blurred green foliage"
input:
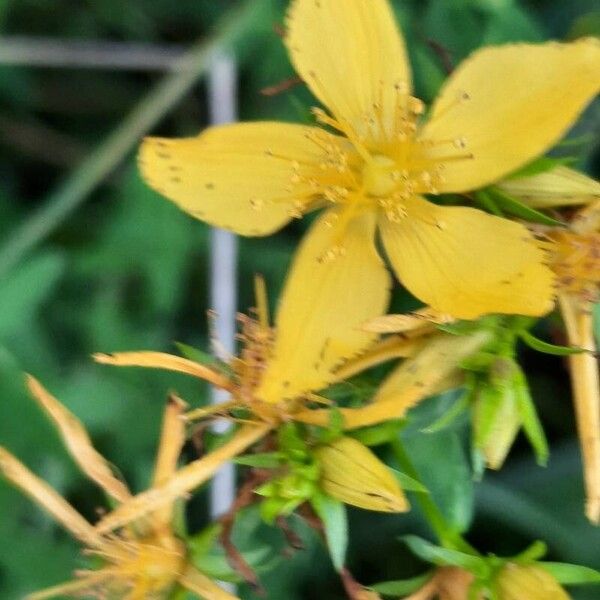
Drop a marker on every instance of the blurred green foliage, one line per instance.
(129, 271)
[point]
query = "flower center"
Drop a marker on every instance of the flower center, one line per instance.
(380, 176)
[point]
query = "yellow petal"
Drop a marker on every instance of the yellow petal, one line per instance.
(202, 586)
(350, 472)
(75, 588)
(466, 263)
(585, 382)
(433, 368)
(184, 481)
(169, 362)
(521, 99)
(422, 319)
(52, 502)
(172, 439)
(560, 186)
(324, 303)
(352, 56)
(78, 443)
(516, 582)
(245, 177)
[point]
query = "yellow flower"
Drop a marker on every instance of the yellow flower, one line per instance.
(500, 109)
(145, 560)
(278, 371)
(516, 582)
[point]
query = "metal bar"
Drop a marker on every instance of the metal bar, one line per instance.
(223, 281)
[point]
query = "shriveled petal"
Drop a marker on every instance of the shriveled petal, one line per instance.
(585, 382)
(350, 472)
(509, 104)
(466, 263)
(560, 186)
(75, 588)
(245, 177)
(202, 586)
(422, 319)
(172, 439)
(352, 56)
(184, 481)
(325, 301)
(429, 371)
(48, 498)
(169, 362)
(78, 442)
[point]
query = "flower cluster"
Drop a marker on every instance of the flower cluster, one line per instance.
(472, 220)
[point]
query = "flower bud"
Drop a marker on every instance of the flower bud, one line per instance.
(350, 472)
(516, 582)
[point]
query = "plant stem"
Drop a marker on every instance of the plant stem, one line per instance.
(446, 535)
(78, 185)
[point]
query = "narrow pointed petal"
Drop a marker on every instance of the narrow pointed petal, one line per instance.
(560, 186)
(73, 589)
(508, 105)
(352, 56)
(423, 319)
(168, 362)
(417, 378)
(172, 439)
(184, 481)
(245, 177)
(466, 263)
(78, 442)
(324, 303)
(202, 586)
(585, 382)
(46, 497)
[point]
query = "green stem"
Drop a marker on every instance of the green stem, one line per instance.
(446, 535)
(78, 185)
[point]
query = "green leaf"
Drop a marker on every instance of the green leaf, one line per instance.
(446, 557)
(335, 521)
(23, 292)
(512, 206)
(377, 435)
(264, 460)
(401, 587)
(407, 483)
(541, 165)
(531, 423)
(571, 574)
(547, 348)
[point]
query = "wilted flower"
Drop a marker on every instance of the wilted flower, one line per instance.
(447, 583)
(146, 560)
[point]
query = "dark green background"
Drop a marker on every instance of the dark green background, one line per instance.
(127, 270)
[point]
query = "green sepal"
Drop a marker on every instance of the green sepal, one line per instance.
(571, 574)
(547, 348)
(401, 587)
(446, 557)
(335, 522)
(531, 423)
(264, 460)
(512, 206)
(533, 553)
